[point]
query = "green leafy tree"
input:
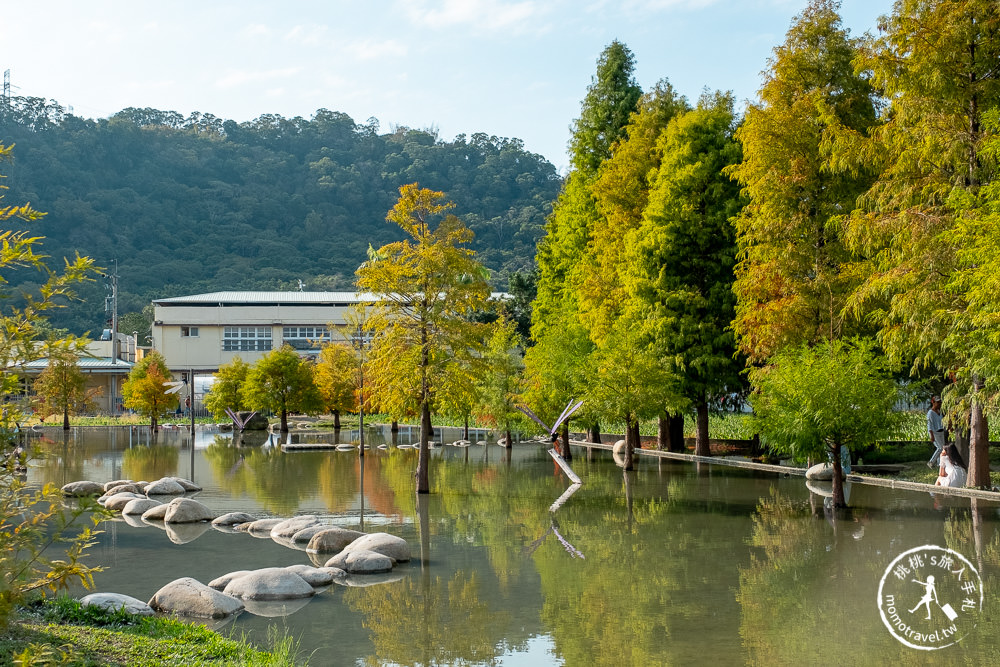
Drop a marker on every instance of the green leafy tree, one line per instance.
(565, 255)
(138, 323)
(621, 193)
(145, 390)
(500, 385)
(815, 401)
(556, 371)
(281, 381)
(430, 284)
(611, 98)
(936, 64)
(793, 277)
(630, 382)
(460, 394)
(62, 386)
(338, 378)
(32, 519)
(227, 390)
(681, 258)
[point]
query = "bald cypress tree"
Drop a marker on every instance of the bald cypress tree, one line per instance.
(792, 281)
(564, 254)
(610, 101)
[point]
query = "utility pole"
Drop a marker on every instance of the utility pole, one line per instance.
(111, 306)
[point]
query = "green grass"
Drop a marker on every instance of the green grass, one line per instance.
(62, 631)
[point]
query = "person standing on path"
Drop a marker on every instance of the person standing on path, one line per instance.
(936, 429)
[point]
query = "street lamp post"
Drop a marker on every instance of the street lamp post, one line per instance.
(361, 397)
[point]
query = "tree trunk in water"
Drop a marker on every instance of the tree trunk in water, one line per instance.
(979, 461)
(595, 433)
(662, 432)
(510, 440)
(701, 447)
(838, 478)
(465, 430)
(336, 420)
(566, 453)
(394, 427)
(636, 438)
(423, 460)
(629, 446)
(676, 430)
(284, 420)
(65, 419)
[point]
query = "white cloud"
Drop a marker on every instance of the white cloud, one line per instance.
(257, 30)
(311, 35)
(369, 49)
(481, 15)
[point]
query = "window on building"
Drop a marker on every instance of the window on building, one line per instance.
(246, 339)
(305, 338)
(189, 332)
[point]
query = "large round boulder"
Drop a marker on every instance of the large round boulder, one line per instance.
(123, 488)
(164, 487)
(289, 527)
(186, 510)
(116, 601)
(392, 546)
(361, 562)
(261, 527)
(821, 472)
(303, 536)
(220, 583)
(331, 540)
(186, 484)
(118, 501)
(233, 519)
(189, 597)
(83, 488)
(316, 576)
(270, 583)
(139, 506)
(116, 482)
(155, 513)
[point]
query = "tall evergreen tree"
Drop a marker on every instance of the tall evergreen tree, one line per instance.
(564, 256)
(791, 283)
(936, 64)
(611, 98)
(681, 258)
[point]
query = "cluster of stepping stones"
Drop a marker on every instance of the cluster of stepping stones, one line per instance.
(338, 553)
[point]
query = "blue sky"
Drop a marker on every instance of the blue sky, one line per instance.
(515, 68)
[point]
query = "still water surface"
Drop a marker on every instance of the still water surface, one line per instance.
(674, 563)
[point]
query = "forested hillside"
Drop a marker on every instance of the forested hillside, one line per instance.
(200, 203)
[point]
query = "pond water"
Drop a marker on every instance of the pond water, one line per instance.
(674, 563)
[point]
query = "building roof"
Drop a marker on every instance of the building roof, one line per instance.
(278, 299)
(268, 298)
(86, 364)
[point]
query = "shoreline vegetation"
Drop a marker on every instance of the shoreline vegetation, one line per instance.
(62, 631)
(909, 443)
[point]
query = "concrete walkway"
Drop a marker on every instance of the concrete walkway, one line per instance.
(801, 472)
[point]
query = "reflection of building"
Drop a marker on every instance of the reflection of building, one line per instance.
(105, 374)
(202, 332)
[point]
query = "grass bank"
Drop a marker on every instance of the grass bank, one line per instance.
(61, 631)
